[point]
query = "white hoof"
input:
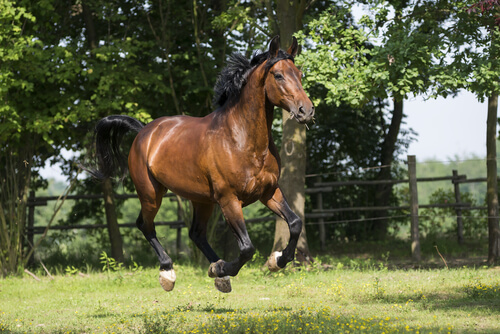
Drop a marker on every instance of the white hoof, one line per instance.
(167, 279)
(223, 284)
(272, 263)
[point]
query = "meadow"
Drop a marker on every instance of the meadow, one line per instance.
(344, 296)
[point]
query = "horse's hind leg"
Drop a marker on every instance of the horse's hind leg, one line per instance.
(151, 195)
(198, 229)
(198, 233)
(234, 217)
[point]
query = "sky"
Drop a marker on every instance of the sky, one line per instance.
(447, 128)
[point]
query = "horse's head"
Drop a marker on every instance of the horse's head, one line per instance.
(283, 83)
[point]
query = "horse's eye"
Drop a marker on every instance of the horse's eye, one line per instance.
(279, 76)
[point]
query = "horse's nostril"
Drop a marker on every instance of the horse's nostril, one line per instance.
(301, 111)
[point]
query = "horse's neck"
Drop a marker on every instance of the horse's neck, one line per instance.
(253, 116)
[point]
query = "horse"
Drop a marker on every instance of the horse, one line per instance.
(227, 158)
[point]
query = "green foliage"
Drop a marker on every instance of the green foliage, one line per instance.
(339, 59)
(71, 270)
(472, 41)
(476, 289)
(109, 264)
(15, 48)
(442, 221)
(379, 57)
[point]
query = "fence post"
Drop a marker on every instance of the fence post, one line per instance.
(415, 238)
(321, 221)
(458, 209)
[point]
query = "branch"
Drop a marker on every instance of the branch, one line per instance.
(441, 257)
(309, 4)
(32, 275)
(198, 49)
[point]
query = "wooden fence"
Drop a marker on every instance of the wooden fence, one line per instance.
(319, 214)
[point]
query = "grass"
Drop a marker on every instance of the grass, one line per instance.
(366, 297)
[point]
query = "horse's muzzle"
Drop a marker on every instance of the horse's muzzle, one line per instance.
(304, 114)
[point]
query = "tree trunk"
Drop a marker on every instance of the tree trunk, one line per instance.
(115, 237)
(292, 182)
(492, 183)
(383, 191)
(293, 150)
(15, 182)
(89, 25)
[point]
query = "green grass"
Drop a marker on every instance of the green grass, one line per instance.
(364, 298)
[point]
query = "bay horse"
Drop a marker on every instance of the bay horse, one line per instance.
(227, 158)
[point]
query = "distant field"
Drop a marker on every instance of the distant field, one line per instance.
(364, 298)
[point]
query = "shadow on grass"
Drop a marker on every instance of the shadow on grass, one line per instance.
(217, 310)
(476, 299)
(394, 253)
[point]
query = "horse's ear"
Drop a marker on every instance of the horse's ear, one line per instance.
(274, 46)
(292, 50)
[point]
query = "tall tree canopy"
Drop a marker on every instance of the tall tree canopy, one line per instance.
(386, 55)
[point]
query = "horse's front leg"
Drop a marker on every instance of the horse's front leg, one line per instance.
(278, 204)
(234, 216)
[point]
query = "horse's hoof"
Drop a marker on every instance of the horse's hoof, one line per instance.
(272, 263)
(223, 284)
(167, 279)
(212, 269)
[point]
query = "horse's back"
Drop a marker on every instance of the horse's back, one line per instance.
(171, 149)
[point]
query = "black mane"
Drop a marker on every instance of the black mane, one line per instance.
(234, 76)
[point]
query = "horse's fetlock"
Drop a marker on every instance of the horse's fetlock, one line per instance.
(247, 253)
(167, 265)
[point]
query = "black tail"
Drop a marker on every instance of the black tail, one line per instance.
(108, 136)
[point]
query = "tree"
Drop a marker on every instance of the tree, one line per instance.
(473, 39)
(383, 57)
(27, 78)
(46, 104)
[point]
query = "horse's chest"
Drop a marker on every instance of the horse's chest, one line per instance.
(246, 177)
(258, 184)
